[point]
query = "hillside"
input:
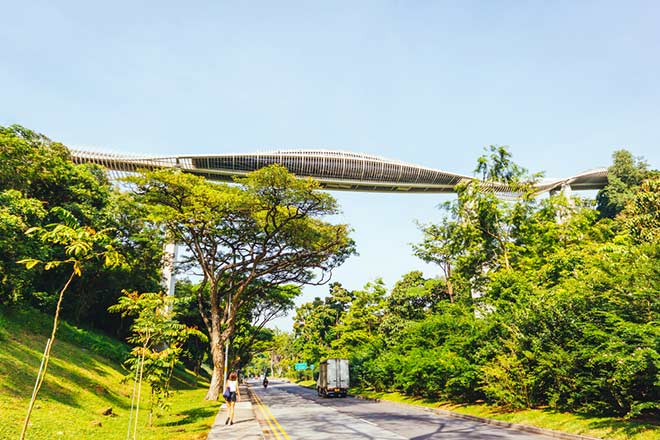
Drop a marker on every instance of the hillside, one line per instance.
(84, 378)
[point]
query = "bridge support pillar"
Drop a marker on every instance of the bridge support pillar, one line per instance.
(170, 252)
(563, 213)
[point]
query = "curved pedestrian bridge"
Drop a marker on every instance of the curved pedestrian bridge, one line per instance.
(336, 170)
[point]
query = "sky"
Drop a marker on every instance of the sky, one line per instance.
(563, 83)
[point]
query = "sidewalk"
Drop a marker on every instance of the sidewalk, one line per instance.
(245, 424)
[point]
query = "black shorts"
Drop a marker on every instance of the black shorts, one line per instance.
(232, 397)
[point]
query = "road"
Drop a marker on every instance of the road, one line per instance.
(292, 412)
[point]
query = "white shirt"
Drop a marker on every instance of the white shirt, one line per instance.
(232, 385)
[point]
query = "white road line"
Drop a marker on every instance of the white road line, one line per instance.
(374, 424)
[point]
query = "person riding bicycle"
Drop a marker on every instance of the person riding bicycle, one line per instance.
(265, 382)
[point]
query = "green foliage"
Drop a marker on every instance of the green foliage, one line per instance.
(435, 372)
(248, 240)
(624, 177)
(642, 213)
(157, 338)
(84, 383)
(37, 181)
(540, 303)
(499, 167)
(79, 244)
(17, 214)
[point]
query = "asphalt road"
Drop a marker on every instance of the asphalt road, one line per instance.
(294, 412)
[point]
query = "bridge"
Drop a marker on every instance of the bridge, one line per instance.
(335, 170)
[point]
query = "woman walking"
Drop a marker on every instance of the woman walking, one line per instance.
(234, 393)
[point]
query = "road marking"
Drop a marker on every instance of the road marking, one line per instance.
(286, 436)
(265, 411)
(273, 429)
(264, 415)
(374, 424)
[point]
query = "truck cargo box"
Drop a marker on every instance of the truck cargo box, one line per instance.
(333, 378)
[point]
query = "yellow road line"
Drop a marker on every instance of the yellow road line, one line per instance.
(265, 416)
(286, 436)
(262, 408)
(273, 429)
(265, 407)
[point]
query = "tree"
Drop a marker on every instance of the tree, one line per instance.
(158, 339)
(566, 316)
(17, 214)
(414, 296)
(274, 355)
(42, 169)
(141, 244)
(37, 175)
(642, 213)
(250, 333)
(477, 234)
(361, 323)
(624, 176)
(81, 244)
(440, 247)
(246, 238)
(313, 330)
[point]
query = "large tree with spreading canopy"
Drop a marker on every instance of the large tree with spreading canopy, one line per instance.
(264, 231)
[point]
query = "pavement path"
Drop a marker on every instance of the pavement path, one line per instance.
(245, 424)
(287, 411)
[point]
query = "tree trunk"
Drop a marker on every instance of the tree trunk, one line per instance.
(218, 358)
(450, 286)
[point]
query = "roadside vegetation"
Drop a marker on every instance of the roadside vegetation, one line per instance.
(541, 306)
(85, 380)
(75, 247)
(584, 424)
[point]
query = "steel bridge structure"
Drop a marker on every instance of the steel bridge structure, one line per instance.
(334, 170)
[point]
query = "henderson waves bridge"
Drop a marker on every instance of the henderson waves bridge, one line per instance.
(335, 170)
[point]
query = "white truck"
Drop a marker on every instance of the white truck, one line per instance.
(333, 378)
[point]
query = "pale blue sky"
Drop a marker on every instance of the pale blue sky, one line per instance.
(564, 83)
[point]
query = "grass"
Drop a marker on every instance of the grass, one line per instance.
(602, 427)
(84, 378)
(308, 383)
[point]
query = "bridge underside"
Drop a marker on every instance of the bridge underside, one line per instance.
(333, 169)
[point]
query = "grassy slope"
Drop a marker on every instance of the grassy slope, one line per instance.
(80, 384)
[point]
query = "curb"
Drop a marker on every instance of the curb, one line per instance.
(515, 426)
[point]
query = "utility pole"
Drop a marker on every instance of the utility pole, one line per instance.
(224, 383)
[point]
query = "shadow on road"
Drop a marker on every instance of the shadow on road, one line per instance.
(395, 421)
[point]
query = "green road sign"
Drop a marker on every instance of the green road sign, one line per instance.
(301, 366)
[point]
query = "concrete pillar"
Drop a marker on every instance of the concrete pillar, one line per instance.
(170, 252)
(564, 213)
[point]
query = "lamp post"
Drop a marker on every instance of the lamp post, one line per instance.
(224, 381)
